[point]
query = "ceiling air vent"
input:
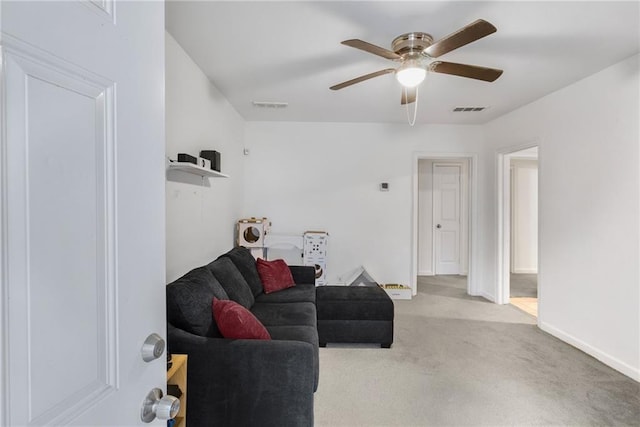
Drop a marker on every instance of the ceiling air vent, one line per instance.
(269, 104)
(468, 109)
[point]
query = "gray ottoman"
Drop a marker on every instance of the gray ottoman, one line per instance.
(354, 314)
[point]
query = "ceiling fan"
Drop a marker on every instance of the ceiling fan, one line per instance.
(415, 52)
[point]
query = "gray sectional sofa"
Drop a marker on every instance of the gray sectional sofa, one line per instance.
(246, 382)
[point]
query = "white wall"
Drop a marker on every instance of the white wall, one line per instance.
(589, 225)
(325, 176)
(201, 213)
(425, 217)
(524, 216)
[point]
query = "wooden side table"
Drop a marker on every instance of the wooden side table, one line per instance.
(177, 375)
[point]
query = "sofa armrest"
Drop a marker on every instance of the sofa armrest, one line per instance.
(303, 275)
(238, 382)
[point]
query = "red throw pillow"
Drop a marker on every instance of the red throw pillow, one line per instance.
(275, 275)
(235, 321)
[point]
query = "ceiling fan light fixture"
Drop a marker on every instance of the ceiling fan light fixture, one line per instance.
(411, 74)
(416, 51)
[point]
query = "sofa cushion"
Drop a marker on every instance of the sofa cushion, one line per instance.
(232, 281)
(275, 275)
(189, 302)
(298, 293)
(300, 333)
(246, 264)
(236, 322)
(303, 274)
(353, 303)
(286, 314)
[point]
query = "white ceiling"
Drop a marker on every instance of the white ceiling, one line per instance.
(291, 52)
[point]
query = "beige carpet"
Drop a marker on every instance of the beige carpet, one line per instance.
(460, 360)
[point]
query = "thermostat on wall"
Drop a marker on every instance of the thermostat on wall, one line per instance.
(384, 186)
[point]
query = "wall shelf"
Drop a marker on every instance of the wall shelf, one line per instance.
(196, 170)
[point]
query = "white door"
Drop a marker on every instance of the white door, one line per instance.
(446, 217)
(524, 216)
(82, 215)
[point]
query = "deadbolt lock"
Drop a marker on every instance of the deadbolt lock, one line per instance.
(152, 348)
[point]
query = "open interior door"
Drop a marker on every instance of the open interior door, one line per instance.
(82, 210)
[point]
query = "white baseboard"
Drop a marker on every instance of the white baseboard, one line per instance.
(487, 296)
(618, 365)
(426, 273)
(525, 271)
(431, 273)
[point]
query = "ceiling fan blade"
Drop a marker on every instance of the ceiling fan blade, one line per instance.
(371, 48)
(472, 32)
(408, 95)
(362, 78)
(465, 70)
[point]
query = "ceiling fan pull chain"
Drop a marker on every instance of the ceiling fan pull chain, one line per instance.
(415, 106)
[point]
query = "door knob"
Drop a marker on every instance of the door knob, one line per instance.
(438, 226)
(156, 406)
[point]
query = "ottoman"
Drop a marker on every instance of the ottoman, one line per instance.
(354, 314)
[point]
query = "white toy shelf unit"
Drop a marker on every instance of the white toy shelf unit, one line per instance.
(288, 247)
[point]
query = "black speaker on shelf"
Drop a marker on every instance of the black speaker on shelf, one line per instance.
(182, 157)
(214, 156)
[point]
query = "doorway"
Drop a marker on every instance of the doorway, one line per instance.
(518, 218)
(443, 202)
(523, 278)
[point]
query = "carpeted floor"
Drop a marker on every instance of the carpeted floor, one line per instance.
(459, 360)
